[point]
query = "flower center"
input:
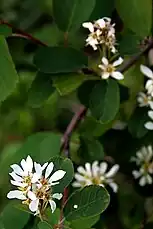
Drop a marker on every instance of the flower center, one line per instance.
(110, 68)
(96, 180)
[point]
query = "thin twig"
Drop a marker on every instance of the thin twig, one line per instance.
(23, 34)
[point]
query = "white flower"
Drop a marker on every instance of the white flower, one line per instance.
(144, 160)
(149, 84)
(35, 186)
(95, 174)
(149, 125)
(144, 100)
(102, 32)
(110, 69)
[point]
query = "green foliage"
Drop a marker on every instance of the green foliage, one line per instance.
(136, 123)
(5, 30)
(105, 101)
(8, 74)
(134, 11)
(67, 83)
(71, 14)
(59, 60)
(44, 225)
(40, 90)
(17, 219)
(90, 201)
(84, 223)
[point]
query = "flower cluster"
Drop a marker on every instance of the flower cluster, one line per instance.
(101, 32)
(96, 174)
(145, 99)
(34, 184)
(144, 161)
(102, 37)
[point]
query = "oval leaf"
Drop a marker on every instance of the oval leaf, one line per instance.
(134, 11)
(105, 100)
(8, 75)
(91, 200)
(74, 12)
(59, 60)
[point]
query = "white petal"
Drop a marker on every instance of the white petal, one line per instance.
(142, 181)
(105, 61)
(118, 62)
(136, 174)
(57, 176)
(76, 184)
(35, 178)
(17, 169)
(149, 125)
(151, 104)
(52, 205)
(149, 85)
(49, 170)
(95, 168)
(29, 162)
(112, 171)
(16, 177)
(117, 75)
(81, 170)
(38, 169)
(79, 177)
(146, 71)
(89, 26)
(150, 114)
(114, 186)
(101, 23)
(23, 164)
(33, 206)
(31, 195)
(19, 184)
(105, 75)
(103, 167)
(149, 179)
(16, 194)
(88, 169)
(44, 165)
(57, 196)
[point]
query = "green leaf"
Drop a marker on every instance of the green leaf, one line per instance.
(84, 223)
(5, 30)
(13, 218)
(59, 60)
(44, 225)
(102, 8)
(8, 75)
(73, 14)
(136, 123)
(91, 201)
(40, 90)
(66, 165)
(129, 43)
(90, 127)
(136, 15)
(105, 100)
(67, 83)
(91, 149)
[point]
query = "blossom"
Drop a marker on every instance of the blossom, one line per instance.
(35, 183)
(96, 174)
(110, 69)
(149, 84)
(144, 100)
(149, 125)
(144, 161)
(102, 32)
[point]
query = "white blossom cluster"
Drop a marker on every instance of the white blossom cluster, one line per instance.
(34, 184)
(144, 162)
(96, 174)
(145, 99)
(102, 37)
